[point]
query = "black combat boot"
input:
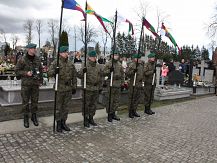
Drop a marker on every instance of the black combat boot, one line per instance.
(34, 119)
(152, 112)
(91, 121)
(131, 114)
(115, 117)
(59, 128)
(135, 114)
(148, 110)
(86, 123)
(110, 117)
(26, 121)
(64, 126)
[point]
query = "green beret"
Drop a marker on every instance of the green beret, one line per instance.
(116, 52)
(151, 55)
(64, 49)
(92, 53)
(31, 45)
(136, 56)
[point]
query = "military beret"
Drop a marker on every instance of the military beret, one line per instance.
(92, 53)
(64, 49)
(151, 55)
(31, 45)
(116, 52)
(136, 56)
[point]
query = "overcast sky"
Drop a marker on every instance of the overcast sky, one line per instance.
(186, 19)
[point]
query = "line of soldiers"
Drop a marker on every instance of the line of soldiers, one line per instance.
(30, 69)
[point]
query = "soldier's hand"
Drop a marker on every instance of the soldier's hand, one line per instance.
(73, 91)
(85, 70)
(112, 69)
(29, 73)
(135, 70)
(57, 70)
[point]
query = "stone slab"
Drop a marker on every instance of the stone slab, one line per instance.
(171, 93)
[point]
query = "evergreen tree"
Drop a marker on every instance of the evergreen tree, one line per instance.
(119, 43)
(204, 54)
(64, 39)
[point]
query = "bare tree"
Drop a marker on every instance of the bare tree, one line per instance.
(53, 30)
(14, 39)
(91, 34)
(161, 17)
(104, 37)
(28, 28)
(38, 26)
(141, 10)
(3, 34)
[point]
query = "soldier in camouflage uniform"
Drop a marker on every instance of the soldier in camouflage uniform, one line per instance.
(93, 87)
(134, 96)
(149, 70)
(29, 68)
(67, 84)
(118, 80)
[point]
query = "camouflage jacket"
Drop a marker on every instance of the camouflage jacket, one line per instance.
(139, 75)
(118, 75)
(94, 76)
(149, 69)
(67, 79)
(24, 65)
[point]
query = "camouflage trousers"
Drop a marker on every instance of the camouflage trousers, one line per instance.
(90, 103)
(62, 109)
(115, 98)
(134, 97)
(147, 94)
(30, 93)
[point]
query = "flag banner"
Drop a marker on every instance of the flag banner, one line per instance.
(150, 27)
(168, 34)
(73, 5)
(122, 19)
(101, 19)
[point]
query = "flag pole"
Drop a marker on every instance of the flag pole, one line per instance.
(85, 67)
(112, 67)
(135, 73)
(57, 68)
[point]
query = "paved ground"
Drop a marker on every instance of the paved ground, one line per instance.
(183, 132)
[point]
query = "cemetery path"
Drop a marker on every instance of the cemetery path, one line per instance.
(182, 132)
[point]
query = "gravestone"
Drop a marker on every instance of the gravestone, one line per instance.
(202, 66)
(195, 71)
(208, 77)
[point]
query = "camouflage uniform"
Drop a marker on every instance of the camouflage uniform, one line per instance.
(67, 82)
(149, 69)
(118, 79)
(134, 97)
(29, 84)
(93, 85)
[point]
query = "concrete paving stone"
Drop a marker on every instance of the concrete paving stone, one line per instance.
(182, 132)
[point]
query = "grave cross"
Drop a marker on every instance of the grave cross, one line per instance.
(202, 66)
